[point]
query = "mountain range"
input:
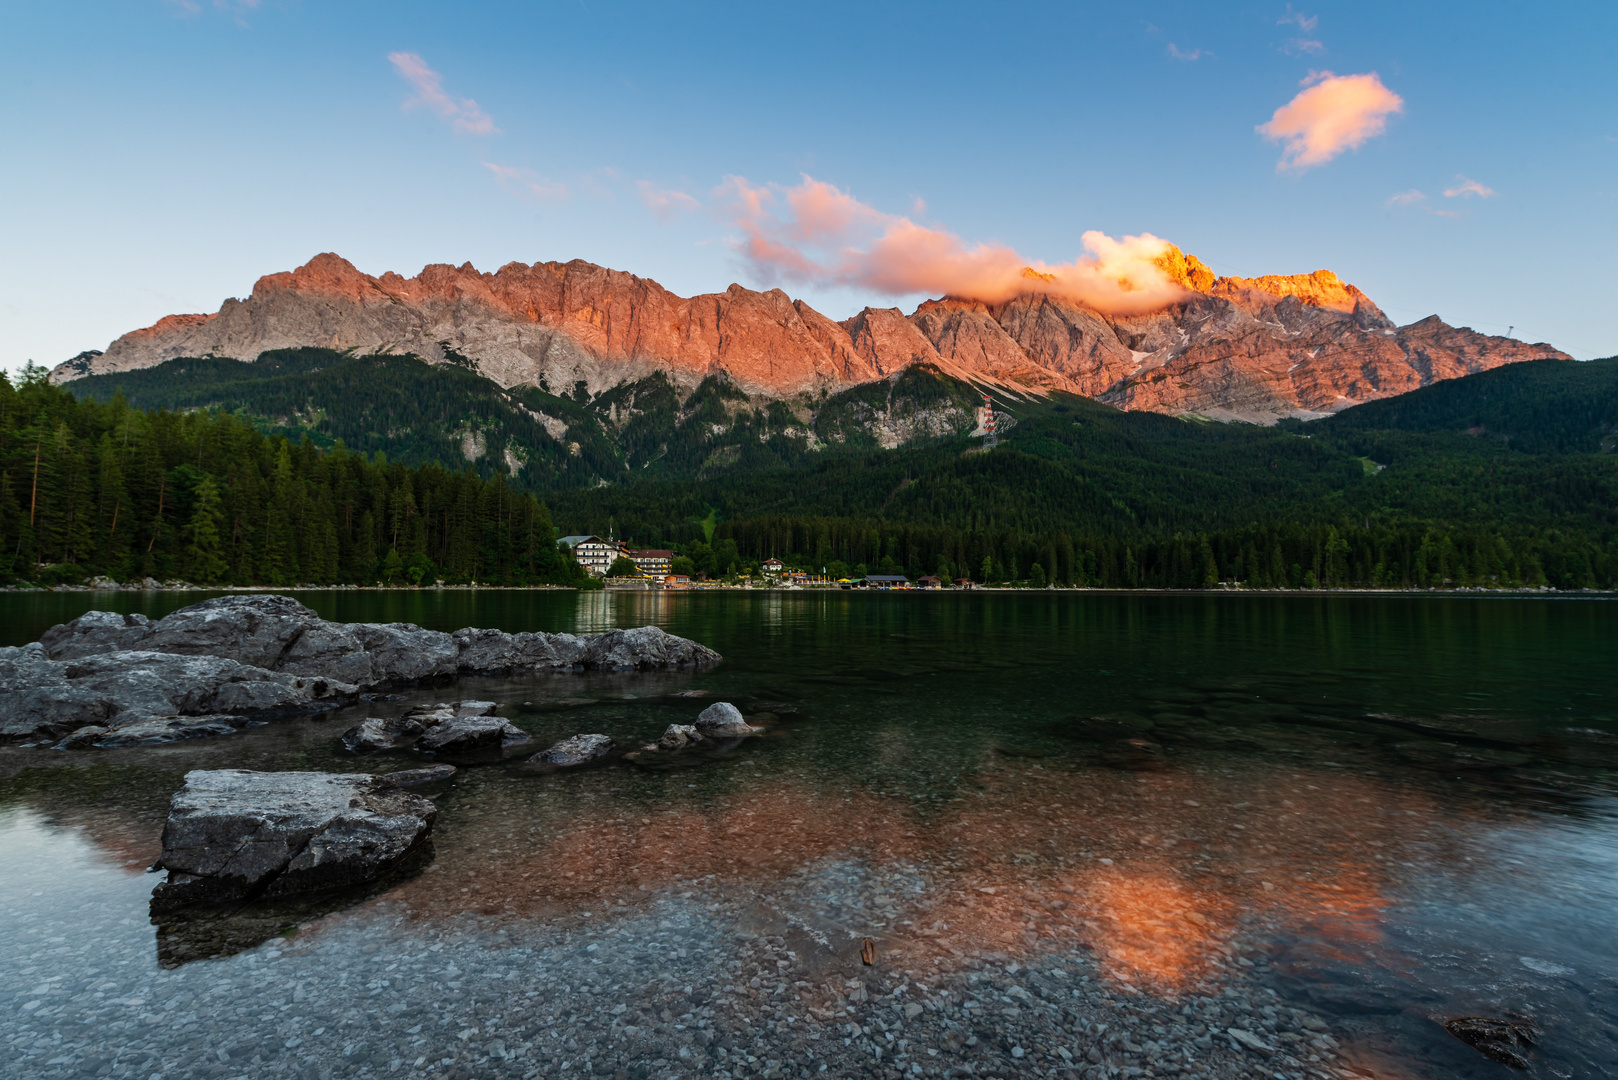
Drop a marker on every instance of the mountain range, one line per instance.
(1250, 349)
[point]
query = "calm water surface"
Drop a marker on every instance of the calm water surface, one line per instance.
(1394, 810)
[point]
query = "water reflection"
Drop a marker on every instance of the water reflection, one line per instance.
(1379, 808)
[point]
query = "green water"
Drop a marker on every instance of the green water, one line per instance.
(1405, 802)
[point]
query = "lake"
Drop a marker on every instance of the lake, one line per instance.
(1183, 812)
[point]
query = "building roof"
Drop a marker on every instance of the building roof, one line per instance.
(575, 541)
(886, 577)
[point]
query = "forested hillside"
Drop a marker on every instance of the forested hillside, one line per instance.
(88, 488)
(1504, 478)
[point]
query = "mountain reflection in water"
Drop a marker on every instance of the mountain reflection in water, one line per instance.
(1395, 810)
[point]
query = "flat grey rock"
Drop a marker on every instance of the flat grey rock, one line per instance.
(234, 834)
(722, 720)
(413, 777)
(466, 734)
(576, 750)
(166, 729)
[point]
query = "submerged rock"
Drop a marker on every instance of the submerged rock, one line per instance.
(722, 720)
(234, 834)
(414, 777)
(577, 750)
(1504, 1041)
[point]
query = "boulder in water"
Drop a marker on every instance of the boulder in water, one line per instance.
(235, 834)
(678, 736)
(577, 750)
(722, 720)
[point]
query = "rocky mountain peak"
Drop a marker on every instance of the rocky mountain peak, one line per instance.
(1234, 348)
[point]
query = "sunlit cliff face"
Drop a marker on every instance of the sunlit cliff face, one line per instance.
(1152, 873)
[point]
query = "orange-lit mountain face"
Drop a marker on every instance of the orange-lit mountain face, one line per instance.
(1232, 348)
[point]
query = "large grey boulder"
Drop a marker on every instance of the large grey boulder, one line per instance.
(234, 834)
(49, 698)
(722, 720)
(576, 750)
(645, 648)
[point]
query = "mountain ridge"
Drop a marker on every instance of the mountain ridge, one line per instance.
(1252, 349)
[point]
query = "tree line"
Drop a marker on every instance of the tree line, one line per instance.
(90, 488)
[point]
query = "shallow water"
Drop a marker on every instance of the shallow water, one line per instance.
(1392, 811)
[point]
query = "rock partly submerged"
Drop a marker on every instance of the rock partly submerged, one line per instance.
(262, 657)
(456, 727)
(722, 720)
(575, 750)
(234, 834)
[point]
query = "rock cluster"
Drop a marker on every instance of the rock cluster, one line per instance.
(461, 727)
(1252, 348)
(225, 662)
(234, 835)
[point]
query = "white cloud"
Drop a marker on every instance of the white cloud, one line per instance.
(1186, 54)
(463, 113)
(1407, 198)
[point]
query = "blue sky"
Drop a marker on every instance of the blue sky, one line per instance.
(160, 156)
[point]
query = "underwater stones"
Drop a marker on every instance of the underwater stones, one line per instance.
(576, 750)
(233, 834)
(1503, 1041)
(722, 720)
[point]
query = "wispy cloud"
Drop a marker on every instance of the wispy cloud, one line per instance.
(233, 7)
(1418, 200)
(816, 233)
(526, 184)
(1187, 54)
(1465, 189)
(666, 205)
(1332, 114)
(1306, 25)
(464, 114)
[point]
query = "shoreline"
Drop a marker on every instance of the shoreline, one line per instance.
(1543, 591)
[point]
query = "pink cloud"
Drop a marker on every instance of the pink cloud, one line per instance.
(1407, 198)
(463, 113)
(1465, 189)
(818, 234)
(526, 184)
(1332, 114)
(666, 205)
